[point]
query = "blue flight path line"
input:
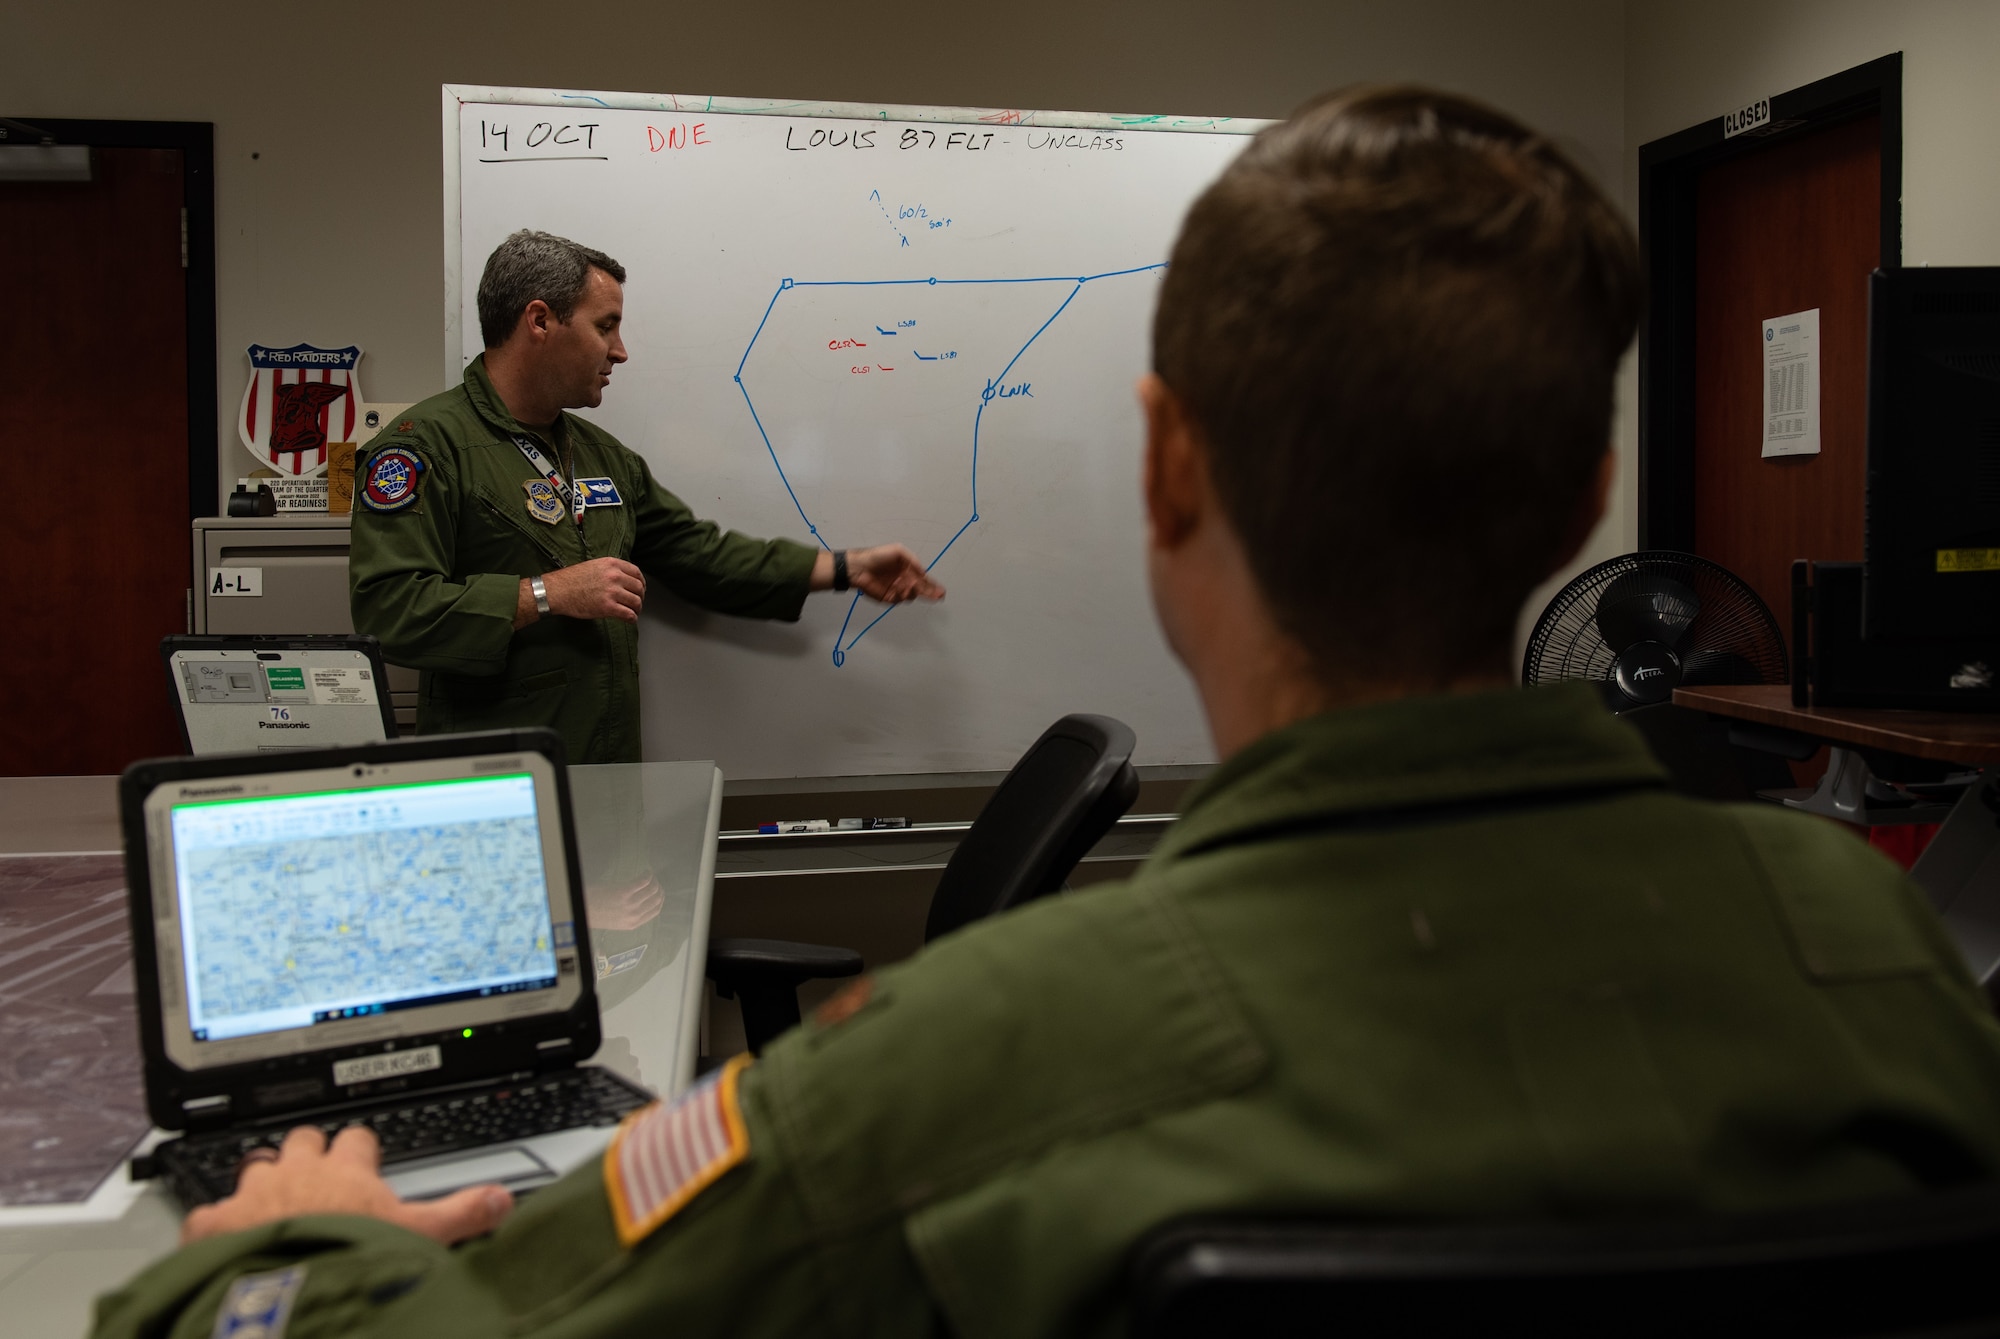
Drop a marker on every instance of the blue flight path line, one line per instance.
(760, 422)
(839, 650)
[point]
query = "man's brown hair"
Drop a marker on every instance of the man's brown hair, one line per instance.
(1396, 320)
(530, 266)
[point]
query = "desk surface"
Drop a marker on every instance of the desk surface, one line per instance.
(1943, 736)
(647, 833)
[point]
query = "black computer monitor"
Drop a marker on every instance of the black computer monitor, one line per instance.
(1932, 556)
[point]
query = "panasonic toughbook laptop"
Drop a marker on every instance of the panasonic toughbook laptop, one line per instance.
(391, 935)
(242, 694)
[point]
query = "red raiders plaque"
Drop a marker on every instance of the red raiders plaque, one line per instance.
(298, 400)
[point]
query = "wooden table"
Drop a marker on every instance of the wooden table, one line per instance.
(1941, 736)
(1960, 869)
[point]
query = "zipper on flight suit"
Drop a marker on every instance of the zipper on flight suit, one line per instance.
(568, 463)
(539, 541)
(569, 473)
(540, 538)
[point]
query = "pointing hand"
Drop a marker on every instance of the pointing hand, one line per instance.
(891, 574)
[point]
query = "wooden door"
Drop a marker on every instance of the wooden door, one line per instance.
(94, 427)
(1788, 228)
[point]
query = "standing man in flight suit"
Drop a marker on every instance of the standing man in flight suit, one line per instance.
(501, 546)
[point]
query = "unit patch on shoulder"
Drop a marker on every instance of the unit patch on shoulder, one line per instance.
(666, 1154)
(391, 484)
(258, 1306)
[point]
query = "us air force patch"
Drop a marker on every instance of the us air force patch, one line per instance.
(257, 1306)
(391, 484)
(666, 1154)
(544, 503)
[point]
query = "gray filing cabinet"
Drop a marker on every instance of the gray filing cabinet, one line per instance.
(281, 575)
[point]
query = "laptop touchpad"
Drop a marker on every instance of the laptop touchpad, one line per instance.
(515, 1168)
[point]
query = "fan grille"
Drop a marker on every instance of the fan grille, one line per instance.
(1731, 639)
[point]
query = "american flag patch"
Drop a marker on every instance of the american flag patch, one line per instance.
(666, 1154)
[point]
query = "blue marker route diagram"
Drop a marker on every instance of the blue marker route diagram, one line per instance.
(892, 365)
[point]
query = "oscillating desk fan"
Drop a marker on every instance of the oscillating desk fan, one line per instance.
(1646, 623)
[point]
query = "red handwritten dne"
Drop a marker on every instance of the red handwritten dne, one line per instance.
(682, 136)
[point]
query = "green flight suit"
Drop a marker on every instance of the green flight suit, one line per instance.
(1446, 957)
(438, 579)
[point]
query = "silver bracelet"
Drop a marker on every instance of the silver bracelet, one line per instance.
(540, 591)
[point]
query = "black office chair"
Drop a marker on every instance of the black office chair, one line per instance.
(1919, 1266)
(1064, 794)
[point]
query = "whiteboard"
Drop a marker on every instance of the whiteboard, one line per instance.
(856, 325)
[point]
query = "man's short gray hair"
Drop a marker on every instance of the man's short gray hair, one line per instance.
(531, 266)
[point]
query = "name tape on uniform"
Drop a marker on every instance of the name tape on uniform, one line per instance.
(600, 493)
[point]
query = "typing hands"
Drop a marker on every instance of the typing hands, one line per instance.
(307, 1175)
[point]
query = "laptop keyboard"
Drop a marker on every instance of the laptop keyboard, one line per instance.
(204, 1167)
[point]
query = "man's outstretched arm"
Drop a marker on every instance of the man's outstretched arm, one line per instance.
(889, 573)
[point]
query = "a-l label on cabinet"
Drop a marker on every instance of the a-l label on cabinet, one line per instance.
(236, 581)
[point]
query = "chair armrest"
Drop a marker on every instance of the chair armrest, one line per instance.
(734, 963)
(766, 973)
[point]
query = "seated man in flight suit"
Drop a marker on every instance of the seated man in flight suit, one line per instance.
(1424, 943)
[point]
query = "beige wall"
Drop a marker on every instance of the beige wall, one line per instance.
(330, 213)
(328, 199)
(1696, 59)
(1689, 61)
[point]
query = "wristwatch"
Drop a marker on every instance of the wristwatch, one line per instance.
(840, 581)
(540, 591)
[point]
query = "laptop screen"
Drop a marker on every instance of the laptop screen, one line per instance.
(306, 909)
(316, 909)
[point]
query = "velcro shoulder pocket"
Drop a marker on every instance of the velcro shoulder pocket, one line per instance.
(1058, 1020)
